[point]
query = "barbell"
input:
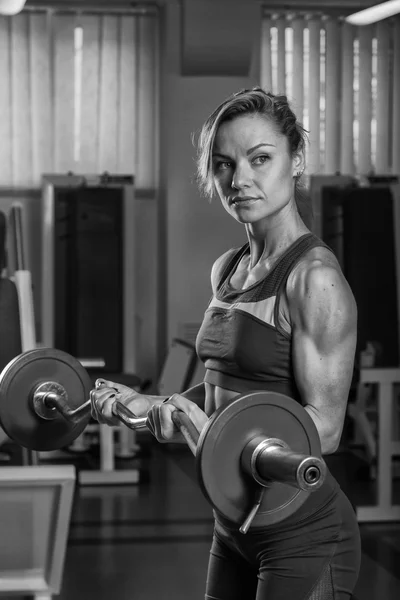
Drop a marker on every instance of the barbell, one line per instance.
(257, 459)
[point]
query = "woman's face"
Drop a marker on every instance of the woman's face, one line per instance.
(253, 169)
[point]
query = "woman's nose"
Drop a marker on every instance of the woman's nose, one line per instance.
(241, 177)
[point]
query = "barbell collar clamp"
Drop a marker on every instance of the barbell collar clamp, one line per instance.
(268, 460)
(252, 451)
(278, 463)
(311, 473)
(49, 399)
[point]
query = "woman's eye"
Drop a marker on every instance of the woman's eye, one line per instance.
(260, 160)
(222, 165)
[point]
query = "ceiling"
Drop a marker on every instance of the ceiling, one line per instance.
(349, 4)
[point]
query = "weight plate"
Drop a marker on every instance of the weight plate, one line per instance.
(224, 483)
(19, 379)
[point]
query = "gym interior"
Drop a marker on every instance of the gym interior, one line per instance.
(106, 251)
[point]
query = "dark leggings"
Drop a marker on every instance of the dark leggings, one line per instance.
(316, 558)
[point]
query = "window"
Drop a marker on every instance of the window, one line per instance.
(79, 93)
(372, 118)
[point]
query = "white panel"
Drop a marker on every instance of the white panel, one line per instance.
(298, 71)
(21, 101)
(281, 24)
(109, 93)
(365, 100)
(306, 75)
(289, 62)
(5, 104)
(41, 102)
(90, 94)
(347, 101)
(332, 163)
(382, 98)
(274, 58)
(127, 76)
(265, 62)
(396, 100)
(313, 166)
(145, 148)
(47, 336)
(64, 86)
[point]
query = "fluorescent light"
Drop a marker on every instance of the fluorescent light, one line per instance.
(374, 13)
(11, 7)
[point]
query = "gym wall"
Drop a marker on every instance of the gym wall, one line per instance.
(197, 231)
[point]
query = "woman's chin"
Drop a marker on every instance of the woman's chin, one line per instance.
(248, 216)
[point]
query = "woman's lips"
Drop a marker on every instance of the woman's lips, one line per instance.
(243, 202)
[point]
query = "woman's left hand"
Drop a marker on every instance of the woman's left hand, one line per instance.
(159, 418)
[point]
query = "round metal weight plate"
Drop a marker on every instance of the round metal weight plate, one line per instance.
(19, 379)
(224, 483)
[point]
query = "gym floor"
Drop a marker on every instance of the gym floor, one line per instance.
(119, 533)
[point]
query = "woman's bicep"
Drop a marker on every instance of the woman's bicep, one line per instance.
(324, 319)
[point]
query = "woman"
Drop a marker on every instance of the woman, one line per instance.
(282, 318)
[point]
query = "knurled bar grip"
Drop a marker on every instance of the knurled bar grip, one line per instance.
(187, 429)
(179, 418)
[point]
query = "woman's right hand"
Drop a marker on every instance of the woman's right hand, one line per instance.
(106, 393)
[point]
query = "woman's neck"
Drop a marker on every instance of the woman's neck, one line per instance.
(267, 242)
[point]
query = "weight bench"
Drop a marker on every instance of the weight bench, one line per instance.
(385, 378)
(35, 511)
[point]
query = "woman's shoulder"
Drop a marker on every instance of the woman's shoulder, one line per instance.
(319, 256)
(318, 272)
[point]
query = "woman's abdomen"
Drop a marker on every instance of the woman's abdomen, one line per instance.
(217, 397)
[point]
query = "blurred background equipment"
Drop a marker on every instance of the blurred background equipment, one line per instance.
(88, 266)
(361, 223)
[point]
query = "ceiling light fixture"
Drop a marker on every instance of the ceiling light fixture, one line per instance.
(11, 7)
(374, 13)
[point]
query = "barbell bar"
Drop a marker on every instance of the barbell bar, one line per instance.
(263, 458)
(257, 459)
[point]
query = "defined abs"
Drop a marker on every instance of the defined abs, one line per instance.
(217, 397)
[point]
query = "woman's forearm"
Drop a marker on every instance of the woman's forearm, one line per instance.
(195, 394)
(156, 399)
(328, 438)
